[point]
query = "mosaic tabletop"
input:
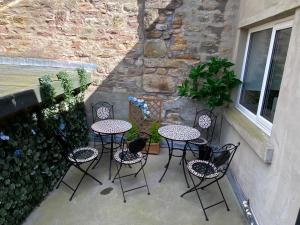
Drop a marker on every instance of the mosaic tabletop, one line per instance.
(179, 132)
(111, 126)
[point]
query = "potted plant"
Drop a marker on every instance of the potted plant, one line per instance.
(133, 133)
(211, 82)
(155, 138)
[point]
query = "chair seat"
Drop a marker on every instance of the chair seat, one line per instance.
(126, 157)
(84, 154)
(201, 168)
(199, 141)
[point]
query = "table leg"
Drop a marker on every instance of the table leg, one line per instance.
(183, 159)
(111, 154)
(170, 157)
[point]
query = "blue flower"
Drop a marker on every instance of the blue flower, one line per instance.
(61, 126)
(34, 116)
(4, 137)
(33, 132)
(17, 152)
(141, 104)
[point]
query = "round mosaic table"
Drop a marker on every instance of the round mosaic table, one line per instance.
(178, 133)
(111, 127)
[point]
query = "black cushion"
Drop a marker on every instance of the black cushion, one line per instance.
(220, 158)
(137, 145)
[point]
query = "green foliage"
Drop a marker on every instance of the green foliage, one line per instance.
(82, 82)
(133, 133)
(31, 161)
(47, 90)
(67, 85)
(155, 137)
(211, 82)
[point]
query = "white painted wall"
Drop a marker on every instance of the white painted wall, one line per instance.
(273, 189)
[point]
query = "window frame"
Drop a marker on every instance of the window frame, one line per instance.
(257, 118)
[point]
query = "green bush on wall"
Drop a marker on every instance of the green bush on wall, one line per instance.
(31, 161)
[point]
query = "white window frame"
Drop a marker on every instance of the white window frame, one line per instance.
(257, 119)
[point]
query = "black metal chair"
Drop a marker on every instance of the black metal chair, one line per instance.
(101, 111)
(130, 156)
(212, 170)
(205, 122)
(76, 157)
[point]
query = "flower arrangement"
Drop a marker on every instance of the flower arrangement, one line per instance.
(141, 104)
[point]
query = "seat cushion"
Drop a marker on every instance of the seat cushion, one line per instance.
(137, 145)
(84, 154)
(126, 157)
(220, 158)
(201, 168)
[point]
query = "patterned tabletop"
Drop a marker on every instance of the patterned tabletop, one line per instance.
(179, 132)
(111, 126)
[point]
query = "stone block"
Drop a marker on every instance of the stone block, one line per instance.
(155, 48)
(166, 35)
(161, 71)
(153, 34)
(150, 17)
(158, 83)
(179, 43)
(149, 70)
(162, 26)
(167, 63)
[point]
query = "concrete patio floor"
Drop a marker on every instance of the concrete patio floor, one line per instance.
(163, 207)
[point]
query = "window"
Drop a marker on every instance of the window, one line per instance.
(262, 72)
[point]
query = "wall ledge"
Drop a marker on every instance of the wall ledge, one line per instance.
(254, 136)
(279, 11)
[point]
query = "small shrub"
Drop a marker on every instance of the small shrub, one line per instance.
(153, 130)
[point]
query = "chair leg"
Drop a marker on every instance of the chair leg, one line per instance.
(118, 172)
(62, 178)
(191, 190)
(119, 177)
(223, 196)
(198, 195)
(206, 185)
(102, 149)
(142, 166)
(87, 173)
(145, 179)
(98, 160)
(70, 199)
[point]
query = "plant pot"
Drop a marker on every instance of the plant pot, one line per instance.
(153, 149)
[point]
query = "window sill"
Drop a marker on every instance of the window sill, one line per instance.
(254, 136)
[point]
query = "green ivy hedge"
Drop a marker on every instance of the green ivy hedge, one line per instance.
(31, 160)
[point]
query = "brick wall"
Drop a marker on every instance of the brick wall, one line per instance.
(139, 46)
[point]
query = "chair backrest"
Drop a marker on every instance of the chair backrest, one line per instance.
(205, 122)
(102, 111)
(141, 143)
(62, 140)
(223, 156)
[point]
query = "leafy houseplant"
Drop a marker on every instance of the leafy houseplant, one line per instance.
(211, 82)
(133, 133)
(155, 138)
(153, 130)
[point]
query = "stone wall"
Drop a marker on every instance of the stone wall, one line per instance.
(139, 46)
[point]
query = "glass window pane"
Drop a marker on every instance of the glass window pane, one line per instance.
(281, 44)
(255, 68)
